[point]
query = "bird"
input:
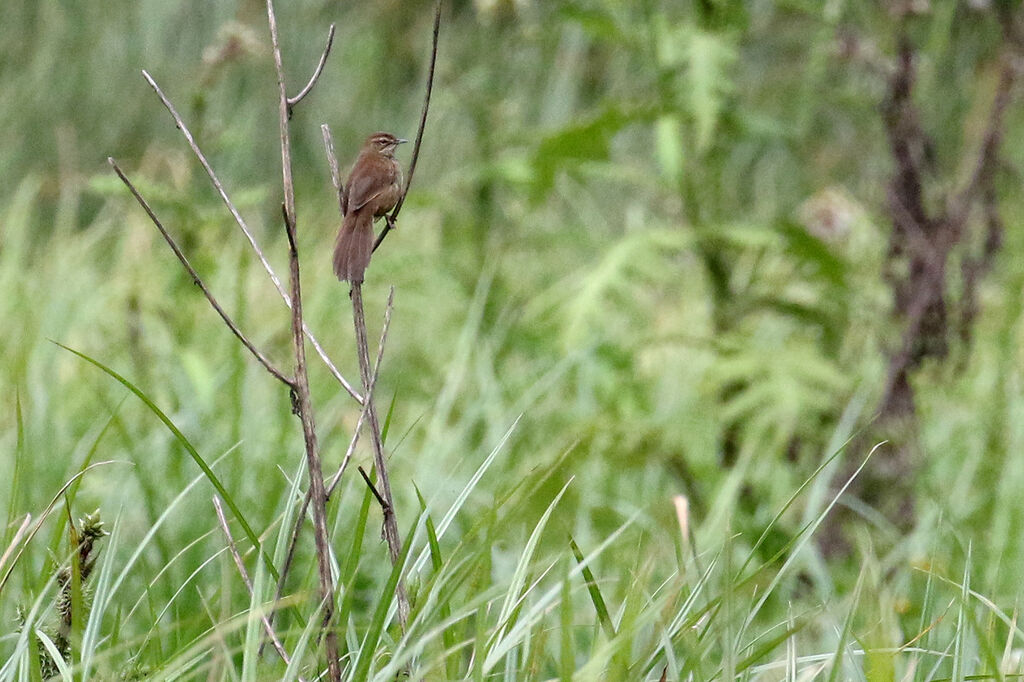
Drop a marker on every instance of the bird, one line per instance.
(374, 187)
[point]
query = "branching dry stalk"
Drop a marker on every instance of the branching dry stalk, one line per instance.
(300, 518)
(390, 522)
(369, 414)
(299, 384)
(292, 101)
(244, 227)
(384, 496)
(263, 360)
(233, 549)
(931, 229)
(925, 238)
(301, 402)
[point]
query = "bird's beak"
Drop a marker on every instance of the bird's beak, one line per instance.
(401, 141)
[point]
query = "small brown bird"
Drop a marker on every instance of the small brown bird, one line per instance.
(374, 186)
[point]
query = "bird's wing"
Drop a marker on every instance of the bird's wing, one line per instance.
(364, 189)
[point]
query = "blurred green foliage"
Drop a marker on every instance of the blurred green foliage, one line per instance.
(655, 229)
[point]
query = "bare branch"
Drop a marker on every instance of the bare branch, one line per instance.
(332, 161)
(248, 583)
(373, 489)
(180, 123)
(391, 534)
(393, 216)
(369, 394)
(301, 401)
(274, 371)
(300, 519)
(292, 101)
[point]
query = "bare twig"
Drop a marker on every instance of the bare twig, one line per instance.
(300, 395)
(373, 385)
(393, 216)
(391, 535)
(332, 161)
(301, 518)
(248, 583)
(292, 101)
(369, 484)
(293, 544)
(927, 239)
(274, 371)
(240, 221)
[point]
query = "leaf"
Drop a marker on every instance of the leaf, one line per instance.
(669, 147)
(813, 251)
(595, 23)
(595, 592)
(701, 62)
(710, 58)
(586, 140)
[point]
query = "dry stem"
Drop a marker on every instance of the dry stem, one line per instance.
(199, 281)
(369, 394)
(240, 221)
(391, 535)
(292, 101)
(301, 402)
(393, 216)
(248, 583)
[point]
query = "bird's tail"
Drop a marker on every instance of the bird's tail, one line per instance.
(353, 247)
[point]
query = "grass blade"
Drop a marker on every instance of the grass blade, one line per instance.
(229, 500)
(595, 592)
(368, 646)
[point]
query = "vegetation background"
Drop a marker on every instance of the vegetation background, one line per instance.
(643, 258)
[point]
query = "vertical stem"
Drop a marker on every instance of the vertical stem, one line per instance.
(390, 519)
(301, 403)
(318, 495)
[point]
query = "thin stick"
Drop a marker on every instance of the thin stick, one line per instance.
(393, 216)
(373, 489)
(292, 101)
(248, 583)
(301, 518)
(373, 385)
(301, 399)
(390, 520)
(180, 123)
(332, 161)
(274, 371)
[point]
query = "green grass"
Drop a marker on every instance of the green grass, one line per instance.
(606, 295)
